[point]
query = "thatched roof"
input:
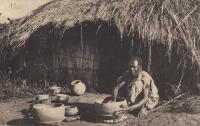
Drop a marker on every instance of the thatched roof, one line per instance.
(164, 21)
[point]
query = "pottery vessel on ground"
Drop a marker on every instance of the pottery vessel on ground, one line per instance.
(53, 112)
(105, 108)
(56, 89)
(62, 98)
(78, 87)
(71, 110)
(42, 97)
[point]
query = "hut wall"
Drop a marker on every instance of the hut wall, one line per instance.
(77, 58)
(35, 57)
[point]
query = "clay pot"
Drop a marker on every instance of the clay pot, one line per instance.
(108, 108)
(53, 112)
(62, 98)
(56, 89)
(71, 110)
(78, 87)
(42, 97)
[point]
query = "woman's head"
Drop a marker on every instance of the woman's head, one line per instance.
(135, 66)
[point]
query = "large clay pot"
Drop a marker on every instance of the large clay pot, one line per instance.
(78, 87)
(108, 108)
(53, 112)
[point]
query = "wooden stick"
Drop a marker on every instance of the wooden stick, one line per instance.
(149, 58)
(180, 81)
(168, 102)
(183, 102)
(82, 36)
(186, 17)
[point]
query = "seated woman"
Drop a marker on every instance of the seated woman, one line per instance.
(142, 94)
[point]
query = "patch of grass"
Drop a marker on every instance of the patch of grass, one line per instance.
(187, 104)
(19, 88)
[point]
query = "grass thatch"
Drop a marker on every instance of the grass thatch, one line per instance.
(163, 21)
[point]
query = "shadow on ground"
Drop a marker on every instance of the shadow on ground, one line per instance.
(22, 121)
(86, 111)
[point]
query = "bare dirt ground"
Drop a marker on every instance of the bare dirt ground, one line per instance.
(11, 113)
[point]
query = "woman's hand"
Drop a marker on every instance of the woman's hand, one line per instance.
(143, 112)
(123, 106)
(124, 109)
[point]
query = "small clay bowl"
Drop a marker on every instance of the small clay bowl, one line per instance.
(71, 110)
(62, 98)
(56, 89)
(42, 97)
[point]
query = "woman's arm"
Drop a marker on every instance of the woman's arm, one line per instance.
(120, 83)
(142, 101)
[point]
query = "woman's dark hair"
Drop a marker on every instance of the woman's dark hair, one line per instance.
(134, 58)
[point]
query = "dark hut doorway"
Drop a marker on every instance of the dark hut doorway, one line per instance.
(113, 57)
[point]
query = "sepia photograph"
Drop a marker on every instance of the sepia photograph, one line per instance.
(99, 62)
